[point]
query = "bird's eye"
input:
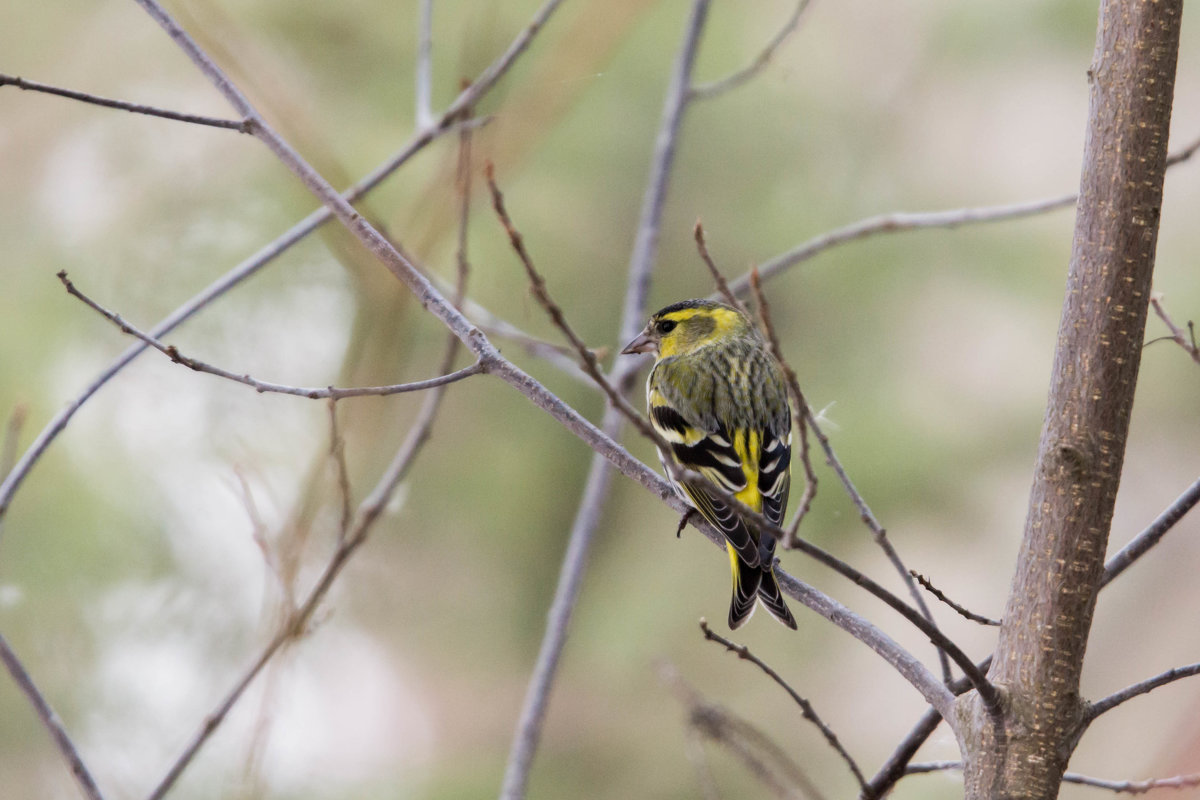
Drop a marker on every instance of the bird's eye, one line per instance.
(666, 325)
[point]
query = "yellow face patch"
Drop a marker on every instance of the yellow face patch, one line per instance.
(696, 327)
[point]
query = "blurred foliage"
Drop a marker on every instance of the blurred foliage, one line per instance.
(131, 581)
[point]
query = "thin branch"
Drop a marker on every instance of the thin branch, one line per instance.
(707, 91)
(50, 721)
(896, 222)
(312, 393)
(239, 125)
(1183, 154)
(537, 697)
(806, 709)
(1134, 787)
(718, 278)
(538, 284)
(1120, 787)
(868, 517)
(900, 221)
(1140, 544)
(925, 767)
(450, 120)
(960, 610)
(1186, 341)
(591, 366)
(1136, 690)
(424, 70)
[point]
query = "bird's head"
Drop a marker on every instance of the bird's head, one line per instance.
(684, 327)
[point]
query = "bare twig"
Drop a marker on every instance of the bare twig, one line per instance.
(712, 89)
(925, 767)
(1134, 787)
(718, 278)
(896, 222)
(1185, 340)
(1183, 154)
(50, 721)
(1120, 787)
(1136, 690)
(806, 709)
(590, 364)
(424, 70)
(587, 356)
(864, 511)
(960, 610)
(312, 393)
(1140, 544)
(570, 578)
(451, 118)
(900, 221)
(239, 125)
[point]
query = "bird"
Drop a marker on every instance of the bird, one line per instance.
(718, 398)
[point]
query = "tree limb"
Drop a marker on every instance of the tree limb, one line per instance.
(1048, 615)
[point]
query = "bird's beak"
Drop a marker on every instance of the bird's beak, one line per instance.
(642, 344)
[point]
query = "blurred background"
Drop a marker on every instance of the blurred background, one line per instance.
(146, 560)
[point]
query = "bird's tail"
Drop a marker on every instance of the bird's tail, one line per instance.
(746, 583)
(772, 598)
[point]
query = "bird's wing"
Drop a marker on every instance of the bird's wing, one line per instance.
(712, 454)
(774, 472)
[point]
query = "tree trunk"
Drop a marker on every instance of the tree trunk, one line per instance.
(1049, 611)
